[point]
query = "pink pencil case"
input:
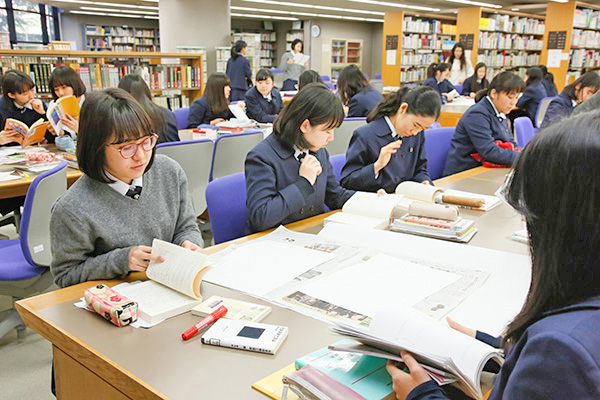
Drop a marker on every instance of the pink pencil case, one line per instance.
(40, 156)
(111, 305)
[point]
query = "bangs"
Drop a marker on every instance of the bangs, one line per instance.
(129, 122)
(333, 116)
(23, 86)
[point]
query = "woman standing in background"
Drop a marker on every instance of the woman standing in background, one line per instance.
(460, 65)
(291, 70)
(238, 70)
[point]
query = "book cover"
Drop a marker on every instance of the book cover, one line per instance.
(27, 135)
(272, 385)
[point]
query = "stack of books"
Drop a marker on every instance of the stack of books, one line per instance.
(458, 230)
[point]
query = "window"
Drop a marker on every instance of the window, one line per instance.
(28, 27)
(28, 22)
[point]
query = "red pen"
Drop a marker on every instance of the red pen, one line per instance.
(221, 311)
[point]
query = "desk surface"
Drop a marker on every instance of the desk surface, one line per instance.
(155, 363)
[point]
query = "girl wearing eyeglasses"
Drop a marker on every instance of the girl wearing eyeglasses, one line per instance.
(103, 226)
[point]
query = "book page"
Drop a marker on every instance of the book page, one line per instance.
(182, 269)
(36, 133)
(239, 112)
(371, 205)
(70, 105)
(301, 59)
(16, 125)
(418, 191)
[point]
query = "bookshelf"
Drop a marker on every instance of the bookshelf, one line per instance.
(121, 38)
(223, 54)
(268, 49)
(202, 51)
(174, 78)
(253, 51)
(291, 36)
(345, 52)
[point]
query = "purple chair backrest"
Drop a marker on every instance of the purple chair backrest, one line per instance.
(337, 163)
(437, 146)
(226, 201)
(231, 151)
(181, 116)
(524, 130)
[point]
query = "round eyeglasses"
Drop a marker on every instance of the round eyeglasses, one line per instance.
(129, 150)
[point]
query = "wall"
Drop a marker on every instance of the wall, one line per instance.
(251, 25)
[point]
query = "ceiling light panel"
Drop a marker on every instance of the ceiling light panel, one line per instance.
(397, 5)
(262, 16)
(475, 3)
(115, 10)
(316, 6)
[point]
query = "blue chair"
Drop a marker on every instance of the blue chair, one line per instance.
(230, 152)
(24, 268)
(337, 163)
(435, 125)
(524, 130)
(459, 88)
(378, 77)
(330, 85)
(181, 116)
(325, 78)
(437, 146)
(541, 111)
(226, 201)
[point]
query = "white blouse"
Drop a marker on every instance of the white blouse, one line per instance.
(458, 73)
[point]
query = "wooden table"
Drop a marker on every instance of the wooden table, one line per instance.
(99, 361)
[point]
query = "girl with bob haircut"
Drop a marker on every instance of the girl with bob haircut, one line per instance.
(263, 100)
(356, 93)
(213, 106)
(238, 70)
(533, 94)
(391, 148)
(309, 76)
(572, 95)
(164, 119)
(92, 234)
(288, 175)
(556, 332)
(437, 78)
(476, 82)
(485, 123)
(65, 81)
(291, 70)
(460, 65)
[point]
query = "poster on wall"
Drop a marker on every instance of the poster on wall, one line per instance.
(390, 57)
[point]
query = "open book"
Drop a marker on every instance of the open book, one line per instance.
(301, 59)
(63, 106)
(174, 287)
(434, 345)
(27, 135)
(367, 210)
(415, 191)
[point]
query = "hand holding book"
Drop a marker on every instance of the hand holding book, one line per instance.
(404, 382)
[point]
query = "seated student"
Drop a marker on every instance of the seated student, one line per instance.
(485, 123)
(533, 94)
(476, 82)
(263, 101)
(65, 81)
(213, 106)
(238, 70)
(391, 148)
(164, 119)
(288, 175)
(572, 95)
(552, 347)
(103, 226)
(437, 78)
(591, 104)
(356, 93)
(548, 82)
(309, 76)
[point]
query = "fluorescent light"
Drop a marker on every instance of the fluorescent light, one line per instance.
(514, 9)
(262, 10)
(262, 16)
(475, 3)
(315, 6)
(115, 10)
(560, 1)
(105, 14)
(97, 3)
(398, 5)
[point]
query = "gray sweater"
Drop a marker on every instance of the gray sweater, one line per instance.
(290, 71)
(93, 227)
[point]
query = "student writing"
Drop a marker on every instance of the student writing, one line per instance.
(263, 101)
(288, 175)
(485, 123)
(213, 106)
(460, 65)
(164, 119)
(476, 82)
(103, 226)
(356, 93)
(238, 70)
(291, 70)
(552, 346)
(533, 94)
(391, 148)
(437, 78)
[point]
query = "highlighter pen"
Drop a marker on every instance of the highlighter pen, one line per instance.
(221, 311)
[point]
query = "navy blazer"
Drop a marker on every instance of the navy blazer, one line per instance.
(531, 98)
(442, 87)
(408, 164)
(170, 133)
(277, 195)
(551, 89)
(238, 70)
(259, 108)
(466, 89)
(363, 102)
(200, 113)
(559, 108)
(25, 115)
(558, 357)
(476, 132)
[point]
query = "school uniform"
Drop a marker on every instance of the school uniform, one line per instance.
(291, 72)
(169, 133)
(239, 73)
(261, 108)
(531, 98)
(560, 107)
(25, 114)
(201, 113)
(408, 164)
(363, 102)
(457, 73)
(466, 89)
(551, 89)
(277, 194)
(442, 87)
(479, 127)
(557, 357)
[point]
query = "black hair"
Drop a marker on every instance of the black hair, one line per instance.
(484, 82)
(437, 67)
(264, 74)
(504, 82)
(423, 101)
(589, 79)
(548, 76)
(534, 75)
(237, 47)
(214, 92)
(135, 85)
(315, 103)
(462, 59)
(563, 227)
(350, 82)
(66, 76)
(295, 42)
(109, 116)
(309, 76)
(14, 81)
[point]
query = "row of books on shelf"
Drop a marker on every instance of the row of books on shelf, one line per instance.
(497, 40)
(119, 31)
(414, 74)
(499, 58)
(268, 36)
(418, 59)
(515, 24)
(268, 46)
(421, 41)
(172, 76)
(589, 39)
(581, 58)
(290, 37)
(267, 62)
(586, 18)
(172, 102)
(412, 24)
(267, 53)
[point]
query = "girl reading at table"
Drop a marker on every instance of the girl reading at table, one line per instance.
(288, 175)
(65, 81)
(391, 148)
(356, 93)
(103, 226)
(552, 347)
(476, 82)
(263, 100)
(213, 106)
(437, 78)
(238, 70)
(483, 135)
